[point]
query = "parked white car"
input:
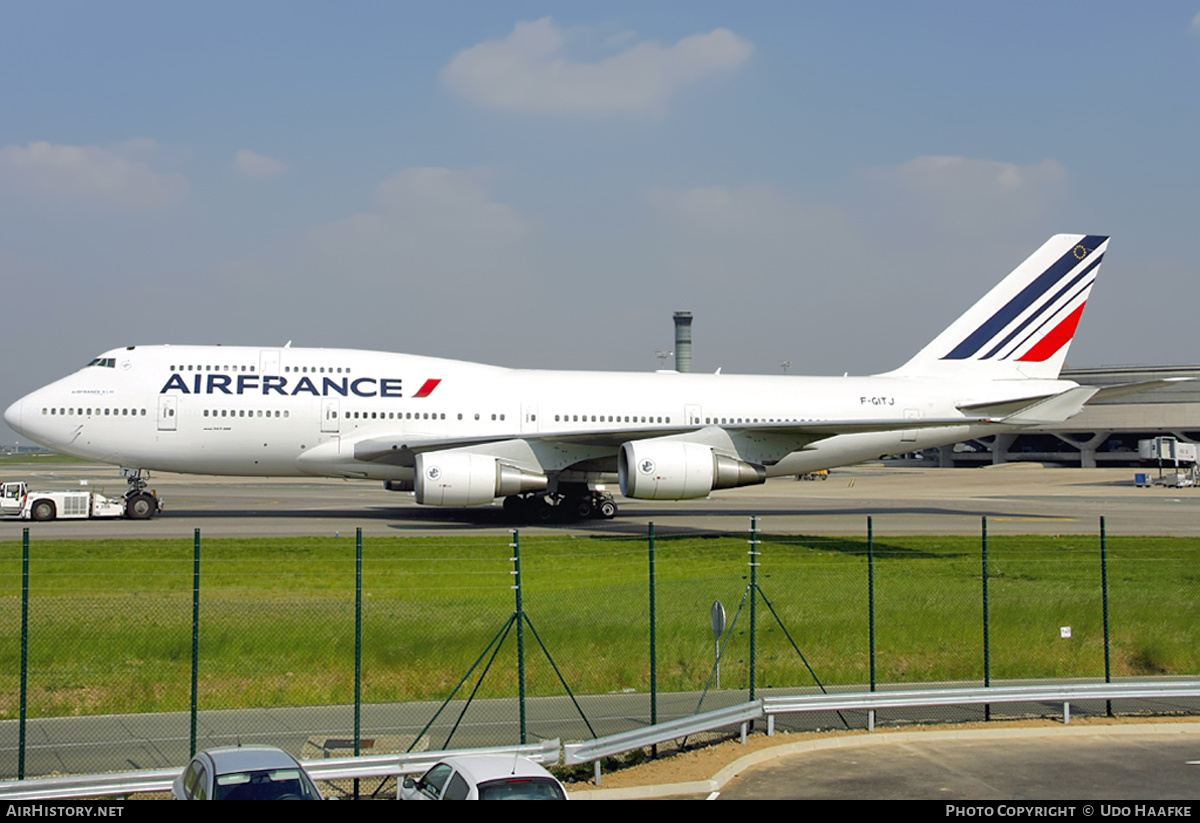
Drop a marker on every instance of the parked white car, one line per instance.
(483, 777)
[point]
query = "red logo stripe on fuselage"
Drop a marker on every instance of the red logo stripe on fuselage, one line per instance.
(427, 388)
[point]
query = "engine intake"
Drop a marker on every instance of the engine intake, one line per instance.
(677, 470)
(454, 478)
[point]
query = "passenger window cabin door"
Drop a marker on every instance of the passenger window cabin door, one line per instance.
(529, 421)
(268, 362)
(168, 409)
(330, 415)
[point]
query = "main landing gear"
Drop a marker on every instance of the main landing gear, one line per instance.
(563, 506)
(139, 503)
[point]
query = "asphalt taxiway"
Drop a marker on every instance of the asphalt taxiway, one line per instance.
(1016, 499)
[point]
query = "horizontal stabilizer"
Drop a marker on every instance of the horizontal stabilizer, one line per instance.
(1051, 410)
(1001, 408)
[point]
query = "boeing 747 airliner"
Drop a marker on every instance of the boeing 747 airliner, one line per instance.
(464, 434)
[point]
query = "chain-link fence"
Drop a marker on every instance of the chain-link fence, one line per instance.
(134, 654)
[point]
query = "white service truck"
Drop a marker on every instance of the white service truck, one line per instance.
(16, 500)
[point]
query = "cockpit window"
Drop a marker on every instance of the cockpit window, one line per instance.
(106, 362)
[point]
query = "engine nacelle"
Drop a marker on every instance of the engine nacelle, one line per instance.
(454, 478)
(677, 470)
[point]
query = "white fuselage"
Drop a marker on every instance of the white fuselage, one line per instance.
(277, 412)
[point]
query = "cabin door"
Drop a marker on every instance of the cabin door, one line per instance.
(529, 421)
(330, 411)
(168, 411)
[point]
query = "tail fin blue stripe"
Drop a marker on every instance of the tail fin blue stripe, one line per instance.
(1051, 318)
(1044, 282)
(1044, 307)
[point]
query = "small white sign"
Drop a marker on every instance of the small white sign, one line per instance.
(1064, 632)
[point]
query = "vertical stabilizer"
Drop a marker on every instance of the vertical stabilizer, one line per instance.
(1023, 327)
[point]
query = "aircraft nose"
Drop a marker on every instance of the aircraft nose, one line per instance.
(12, 416)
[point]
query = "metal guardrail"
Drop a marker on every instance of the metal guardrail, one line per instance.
(770, 707)
(592, 751)
(336, 768)
(1057, 693)
(89, 785)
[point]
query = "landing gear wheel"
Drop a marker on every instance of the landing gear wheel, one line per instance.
(545, 511)
(43, 510)
(608, 510)
(583, 508)
(141, 507)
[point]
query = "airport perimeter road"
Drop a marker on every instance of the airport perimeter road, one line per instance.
(1111, 763)
(1018, 498)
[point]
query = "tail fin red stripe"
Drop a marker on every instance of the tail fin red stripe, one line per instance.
(1058, 337)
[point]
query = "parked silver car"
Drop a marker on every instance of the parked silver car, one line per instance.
(483, 777)
(244, 773)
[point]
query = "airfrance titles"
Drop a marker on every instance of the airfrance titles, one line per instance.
(274, 384)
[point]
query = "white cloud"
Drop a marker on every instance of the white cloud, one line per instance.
(435, 231)
(89, 175)
(257, 165)
(529, 71)
(434, 210)
(1196, 24)
(963, 192)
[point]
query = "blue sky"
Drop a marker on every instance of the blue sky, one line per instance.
(542, 185)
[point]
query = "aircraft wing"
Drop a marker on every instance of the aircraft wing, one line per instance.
(402, 449)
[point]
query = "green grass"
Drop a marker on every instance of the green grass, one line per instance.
(110, 621)
(27, 459)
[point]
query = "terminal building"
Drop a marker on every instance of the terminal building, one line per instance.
(1105, 433)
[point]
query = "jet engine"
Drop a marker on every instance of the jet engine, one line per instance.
(677, 470)
(454, 478)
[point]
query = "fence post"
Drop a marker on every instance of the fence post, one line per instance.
(987, 659)
(1104, 601)
(195, 640)
(754, 553)
(516, 559)
(653, 639)
(24, 650)
(358, 569)
(871, 595)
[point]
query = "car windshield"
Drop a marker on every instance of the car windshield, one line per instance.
(268, 784)
(521, 788)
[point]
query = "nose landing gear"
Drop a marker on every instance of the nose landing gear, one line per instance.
(139, 503)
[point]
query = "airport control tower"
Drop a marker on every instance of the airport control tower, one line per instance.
(683, 341)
